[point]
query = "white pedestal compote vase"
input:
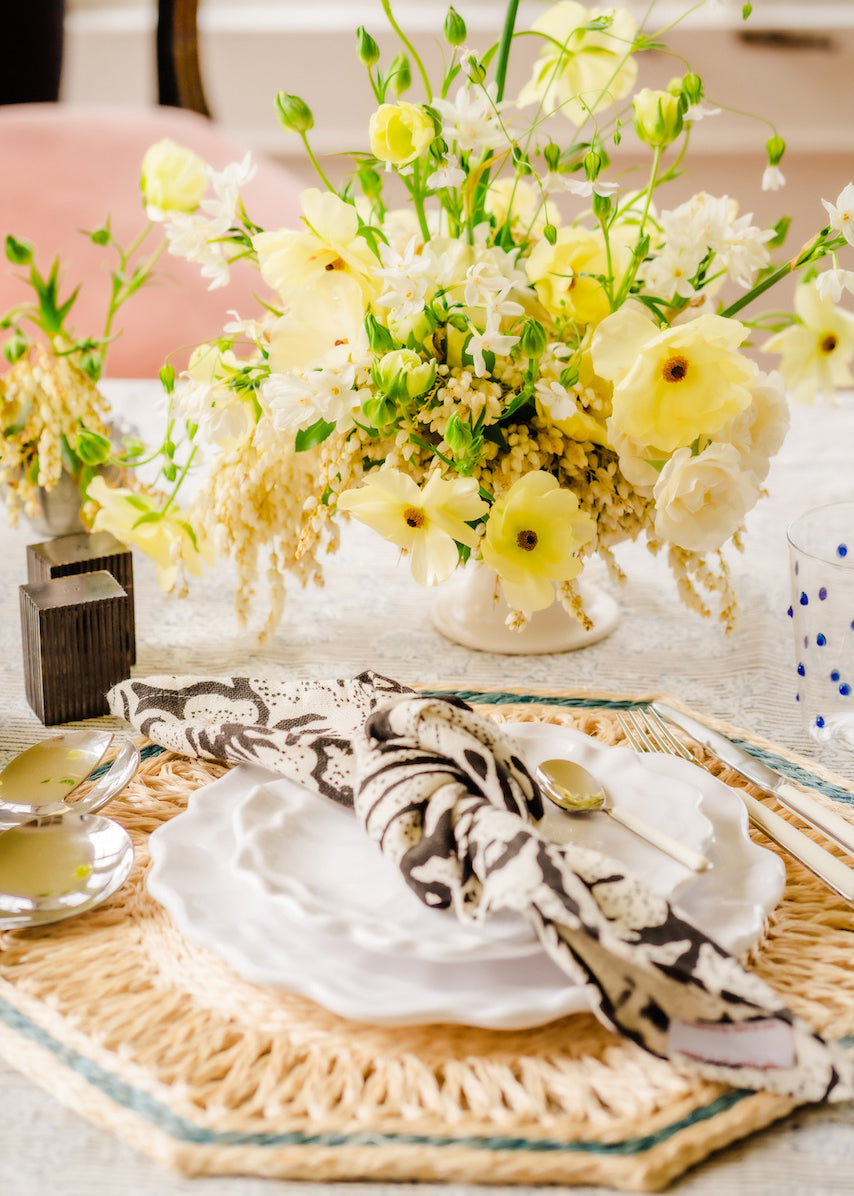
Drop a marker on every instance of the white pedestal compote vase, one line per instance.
(470, 610)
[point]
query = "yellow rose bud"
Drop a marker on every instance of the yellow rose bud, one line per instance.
(400, 132)
(657, 116)
(173, 178)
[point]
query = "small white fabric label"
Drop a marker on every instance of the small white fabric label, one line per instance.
(767, 1042)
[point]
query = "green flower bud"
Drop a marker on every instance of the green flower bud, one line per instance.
(692, 87)
(369, 51)
(550, 233)
(657, 117)
(475, 69)
(455, 28)
(602, 205)
(19, 253)
(379, 412)
(294, 113)
(379, 337)
(775, 147)
(100, 236)
(399, 74)
(167, 378)
(458, 436)
(552, 156)
(569, 377)
(532, 339)
(402, 375)
(746, 10)
(15, 348)
(592, 164)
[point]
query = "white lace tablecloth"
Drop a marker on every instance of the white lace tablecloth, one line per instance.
(371, 614)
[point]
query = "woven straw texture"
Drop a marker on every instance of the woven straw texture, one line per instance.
(163, 1044)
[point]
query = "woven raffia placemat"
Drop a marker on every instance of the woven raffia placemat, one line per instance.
(155, 1039)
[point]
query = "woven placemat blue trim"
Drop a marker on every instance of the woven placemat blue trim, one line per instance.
(178, 1128)
(794, 772)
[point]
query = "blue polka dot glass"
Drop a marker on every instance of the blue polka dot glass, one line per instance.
(822, 611)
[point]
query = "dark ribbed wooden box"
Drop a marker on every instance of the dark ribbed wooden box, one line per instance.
(85, 552)
(75, 642)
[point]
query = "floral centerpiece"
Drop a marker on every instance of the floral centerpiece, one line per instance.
(490, 344)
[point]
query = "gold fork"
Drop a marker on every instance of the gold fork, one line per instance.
(646, 732)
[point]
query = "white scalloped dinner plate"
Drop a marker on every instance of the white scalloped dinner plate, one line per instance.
(503, 980)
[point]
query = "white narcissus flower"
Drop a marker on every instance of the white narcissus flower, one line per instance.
(672, 384)
(491, 340)
(700, 501)
(581, 70)
(405, 276)
(712, 222)
(816, 354)
(533, 537)
(427, 523)
(830, 284)
(472, 120)
(758, 433)
(842, 213)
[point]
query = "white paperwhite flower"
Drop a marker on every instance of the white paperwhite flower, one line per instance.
(290, 401)
(842, 213)
(449, 175)
(227, 184)
(194, 238)
(831, 283)
(222, 417)
(487, 287)
(491, 340)
(588, 187)
(406, 279)
(697, 112)
(555, 399)
(773, 178)
(670, 273)
(701, 501)
(472, 119)
(711, 222)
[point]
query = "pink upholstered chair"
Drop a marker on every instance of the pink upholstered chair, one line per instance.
(67, 168)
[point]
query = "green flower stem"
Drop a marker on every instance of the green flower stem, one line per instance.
(807, 254)
(180, 480)
(504, 48)
(315, 163)
(630, 274)
(415, 190)
(410, 48)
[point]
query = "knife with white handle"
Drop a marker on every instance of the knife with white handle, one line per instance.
(764, 777)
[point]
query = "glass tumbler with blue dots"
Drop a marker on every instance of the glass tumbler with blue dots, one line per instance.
(821, 555)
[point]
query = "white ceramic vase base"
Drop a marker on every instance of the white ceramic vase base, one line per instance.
(471, 611)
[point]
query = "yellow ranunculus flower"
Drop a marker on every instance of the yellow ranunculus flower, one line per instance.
(657, 116)
(533, 535)
(164, 540)
(816, 353)
(672, 385)
(560, 273)
(581, 70)
(427, 523)
(401, 374)
(400, 133)
(173, 179)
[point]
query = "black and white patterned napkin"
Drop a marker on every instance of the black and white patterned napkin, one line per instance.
(443, 793)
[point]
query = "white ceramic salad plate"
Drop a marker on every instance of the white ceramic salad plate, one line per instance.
(290, 891)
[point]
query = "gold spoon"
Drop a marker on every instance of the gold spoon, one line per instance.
(577, 791)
